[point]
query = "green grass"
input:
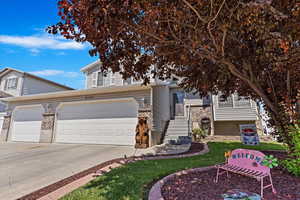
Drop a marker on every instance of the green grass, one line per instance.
(131, 182)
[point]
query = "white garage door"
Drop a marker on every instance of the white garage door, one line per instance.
(97, 122)
(27, 124)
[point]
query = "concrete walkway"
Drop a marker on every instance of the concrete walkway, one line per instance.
(26, 167)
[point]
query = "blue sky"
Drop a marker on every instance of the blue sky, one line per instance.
(26, 46)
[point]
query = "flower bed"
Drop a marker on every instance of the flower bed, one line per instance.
(200, 185)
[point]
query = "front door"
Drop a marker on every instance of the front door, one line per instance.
(178, 105)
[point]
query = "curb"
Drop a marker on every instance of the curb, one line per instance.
(155, 192)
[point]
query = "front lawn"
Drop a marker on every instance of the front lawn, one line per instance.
(131, 182)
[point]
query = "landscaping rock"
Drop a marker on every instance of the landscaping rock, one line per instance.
(237, 194)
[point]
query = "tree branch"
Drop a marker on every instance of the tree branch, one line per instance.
(195, 11)
(255, 88)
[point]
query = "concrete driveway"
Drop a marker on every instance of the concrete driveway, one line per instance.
(26, 167)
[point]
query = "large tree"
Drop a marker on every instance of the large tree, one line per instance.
(245, 46)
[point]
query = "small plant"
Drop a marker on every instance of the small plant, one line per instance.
(199, 133)
(270, 161)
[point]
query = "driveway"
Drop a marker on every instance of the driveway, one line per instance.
(26, 167)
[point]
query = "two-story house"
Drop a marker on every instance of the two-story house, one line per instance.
(108, 109)
(15, 83)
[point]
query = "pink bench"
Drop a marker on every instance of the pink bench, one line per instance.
(248, 163)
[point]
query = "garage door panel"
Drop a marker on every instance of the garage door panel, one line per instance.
(98, 111)
(97, 123)
(27, 123)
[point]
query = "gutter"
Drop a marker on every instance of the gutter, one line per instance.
(74, 93)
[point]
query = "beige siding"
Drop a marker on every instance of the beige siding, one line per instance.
(229, 128)
(234, 113)
(35, 86)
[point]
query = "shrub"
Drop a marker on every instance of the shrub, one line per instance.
(292, 164)
(199, 133)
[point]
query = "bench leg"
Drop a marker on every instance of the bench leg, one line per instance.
(262, 187)
(217, 178)
(271, 181)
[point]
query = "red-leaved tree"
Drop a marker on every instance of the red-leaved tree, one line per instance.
(247, 46)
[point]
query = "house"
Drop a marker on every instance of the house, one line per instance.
(15, 83)
(108, 109)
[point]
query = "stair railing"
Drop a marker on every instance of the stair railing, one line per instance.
(189, 120)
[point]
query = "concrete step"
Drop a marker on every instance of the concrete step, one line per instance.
(178, 129)
(178, 125)
(178, 140)
(180, 117)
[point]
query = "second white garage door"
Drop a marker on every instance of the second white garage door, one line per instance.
(27, 123)
(97, 122)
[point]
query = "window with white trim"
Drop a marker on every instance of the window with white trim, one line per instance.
(134, 81)
(225, 102)
(100, 79)
(112, 78)
(11, 83)
(241, 101)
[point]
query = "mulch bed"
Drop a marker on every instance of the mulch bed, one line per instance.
(200, 185)
(195, 147)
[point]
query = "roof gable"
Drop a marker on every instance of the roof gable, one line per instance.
(7, 70)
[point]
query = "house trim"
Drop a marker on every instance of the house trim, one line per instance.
(74, 93)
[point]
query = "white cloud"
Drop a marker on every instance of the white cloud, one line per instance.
(41, 42)
(50, 72)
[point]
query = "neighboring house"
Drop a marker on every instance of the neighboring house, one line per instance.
(107, 111)
(15, 83)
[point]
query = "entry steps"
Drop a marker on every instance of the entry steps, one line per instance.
(178, 132)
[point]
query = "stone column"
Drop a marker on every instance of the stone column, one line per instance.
(5, 128)
(47, 128)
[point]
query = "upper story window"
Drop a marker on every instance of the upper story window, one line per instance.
(240, 101)
(225, 102)
(233, 101)
(127, 81)
(97, 79)
(11, 83)
(100, 79)
(112, 78)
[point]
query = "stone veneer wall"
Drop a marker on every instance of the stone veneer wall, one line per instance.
(5, 128)
(154, 138)
(47, 127)
(200, 112)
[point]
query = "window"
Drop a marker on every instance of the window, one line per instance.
(100, 79)
(134, 81)
(240, 101)
(11, 83)
(112, 78)
(127, 81)
(225, 102)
